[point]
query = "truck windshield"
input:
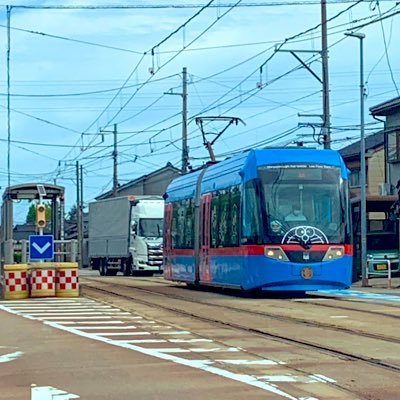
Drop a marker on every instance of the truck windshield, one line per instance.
(308, 197)
(150, 227)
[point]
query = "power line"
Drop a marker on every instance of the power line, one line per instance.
(187, 5)
(42, 120)
(181, 26)
(386, 49)
(172, 58)
(85, 93)
(72, 40)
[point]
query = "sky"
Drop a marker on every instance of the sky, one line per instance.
(77, 72)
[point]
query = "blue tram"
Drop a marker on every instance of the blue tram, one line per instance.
(269, 219)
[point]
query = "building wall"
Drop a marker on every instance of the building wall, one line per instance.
(393, 122)
(375, 163)
(155, 185)
(376, 172)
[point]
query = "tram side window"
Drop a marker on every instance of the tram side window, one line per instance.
(225, 214)
(252, 223)
(183, 224)
(235, 216)
(215, 220)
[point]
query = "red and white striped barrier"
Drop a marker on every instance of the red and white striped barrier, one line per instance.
(16, 281)
(67, 280)
(42, 280)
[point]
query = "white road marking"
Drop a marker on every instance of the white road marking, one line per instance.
(50, 393)
(51, 309)
(251, 362)
(154, 326)
(195, 350)
(65, 317)
(119, 333)
(308, 398)
(323, 378)
(171, 350)
(338, 316)
(11, 356)
(68, 313)
(106, 327)
(190, 340)
(143, 341)
(205, 365)
(216, 349)
(89, 322)
(290, 378)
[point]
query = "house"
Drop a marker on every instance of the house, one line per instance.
(390, 110)
(375, 164)
(23, 231)
(154, 184)
(70, 229)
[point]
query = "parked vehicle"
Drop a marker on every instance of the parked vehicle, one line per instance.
(269, 219)
(125, 234)
(382, 235)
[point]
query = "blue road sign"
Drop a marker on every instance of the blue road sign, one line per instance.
(41, 247)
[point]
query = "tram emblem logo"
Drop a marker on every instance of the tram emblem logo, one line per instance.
(307, 273)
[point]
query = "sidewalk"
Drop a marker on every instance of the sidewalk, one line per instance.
(379, 285)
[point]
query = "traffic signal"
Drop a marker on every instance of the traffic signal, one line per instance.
(41, 216)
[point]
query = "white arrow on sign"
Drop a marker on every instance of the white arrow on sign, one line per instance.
(39, 249)
(50, 393)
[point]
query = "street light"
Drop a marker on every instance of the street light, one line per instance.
(363, 179)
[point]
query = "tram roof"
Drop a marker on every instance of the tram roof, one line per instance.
(243, 167)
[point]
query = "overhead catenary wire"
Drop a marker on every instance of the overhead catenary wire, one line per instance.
(204, 31)
(152, 75)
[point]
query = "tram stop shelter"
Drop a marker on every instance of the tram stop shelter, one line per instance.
(29, 191)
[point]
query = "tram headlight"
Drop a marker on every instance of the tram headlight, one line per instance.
(276, 253)
(334, 253)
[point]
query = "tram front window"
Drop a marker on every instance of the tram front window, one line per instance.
(309, 196)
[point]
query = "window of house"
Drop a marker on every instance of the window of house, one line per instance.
(354, 178)
(394, 146)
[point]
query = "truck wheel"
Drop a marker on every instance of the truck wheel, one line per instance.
(128, 267)
(111, 272)
(102, 267)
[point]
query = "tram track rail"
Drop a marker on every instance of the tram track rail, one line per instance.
(283, 318)
(319, 298)
(95, 285)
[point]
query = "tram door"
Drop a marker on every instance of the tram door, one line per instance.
(167, 241)
(205, 224)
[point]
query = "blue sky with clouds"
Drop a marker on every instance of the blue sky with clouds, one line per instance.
(68, 70)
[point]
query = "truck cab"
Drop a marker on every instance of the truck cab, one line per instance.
(146, 234)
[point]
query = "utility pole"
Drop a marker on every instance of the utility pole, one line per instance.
(363, 172)
(115, 159)
(185, 152)
(325, 78)
(8, 98)
(184, 94)
(81, 213)
(78, 212)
